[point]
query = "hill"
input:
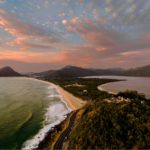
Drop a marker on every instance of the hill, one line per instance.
(140, 71)
(8, 72)
(105, 125)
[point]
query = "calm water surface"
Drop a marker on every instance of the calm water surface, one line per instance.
(140, 84)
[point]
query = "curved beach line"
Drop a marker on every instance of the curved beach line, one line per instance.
(71, 101)
(34, 142)
(53, 86)
(60, 96)
(101, 88)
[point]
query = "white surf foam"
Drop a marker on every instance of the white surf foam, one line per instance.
(55, 114)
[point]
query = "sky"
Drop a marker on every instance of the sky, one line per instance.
(37, 35)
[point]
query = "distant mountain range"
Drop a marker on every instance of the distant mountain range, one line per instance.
(8, 72)
(140, 71)
(73, 71)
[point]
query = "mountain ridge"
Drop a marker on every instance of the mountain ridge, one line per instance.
(8, 72)
(74, 71)
(139, 71)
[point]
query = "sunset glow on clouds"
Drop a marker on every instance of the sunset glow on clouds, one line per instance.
(88, 33)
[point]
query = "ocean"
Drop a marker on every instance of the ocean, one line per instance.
(29, 108)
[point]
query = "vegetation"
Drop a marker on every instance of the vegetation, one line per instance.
(112, 126)
(134, 95)
(102, 125)
(83, 88)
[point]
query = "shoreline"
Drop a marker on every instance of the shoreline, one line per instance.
(46, 142)
(69, 99)
(100, 88)
(72, 103)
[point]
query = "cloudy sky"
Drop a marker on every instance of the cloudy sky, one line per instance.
(37, 35)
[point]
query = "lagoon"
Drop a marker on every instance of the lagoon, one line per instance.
(140, 84)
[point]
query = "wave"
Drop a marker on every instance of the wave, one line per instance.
(55, 114)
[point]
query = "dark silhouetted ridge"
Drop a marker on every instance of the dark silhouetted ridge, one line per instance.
(74, 71)
(140, 71)
(8, 72)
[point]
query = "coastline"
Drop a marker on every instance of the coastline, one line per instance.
(73, 103)
(100, 88)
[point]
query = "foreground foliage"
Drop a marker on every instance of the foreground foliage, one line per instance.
(113, 126)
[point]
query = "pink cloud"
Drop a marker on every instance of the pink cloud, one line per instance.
(101, 47)
(27, 35)
(93, 34)
(27, 56)
(103, 39)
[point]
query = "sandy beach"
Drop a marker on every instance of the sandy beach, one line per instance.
(73, 102)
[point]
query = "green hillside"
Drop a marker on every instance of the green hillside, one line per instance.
(112, 126)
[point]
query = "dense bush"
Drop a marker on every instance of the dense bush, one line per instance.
(113, 126)
(132, 95)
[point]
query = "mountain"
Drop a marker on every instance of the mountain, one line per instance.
(111, 71)
(73, 71)
(8, 72)
(140, 71)
(69, 71)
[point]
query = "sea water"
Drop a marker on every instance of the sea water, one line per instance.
(29, 108)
